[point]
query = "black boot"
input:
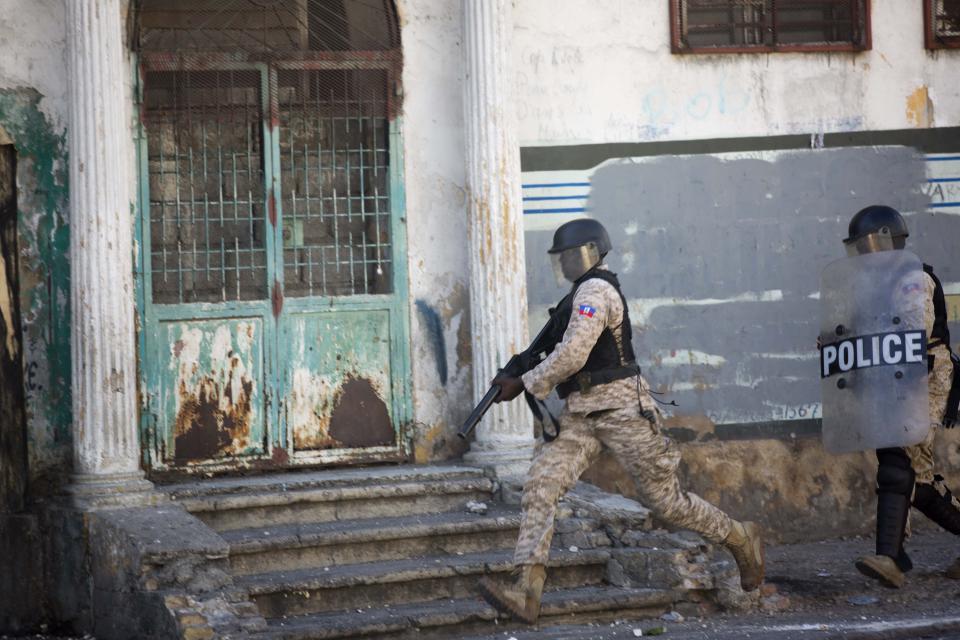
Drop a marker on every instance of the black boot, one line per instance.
(904, 563)
(894, 485)
(937, 503)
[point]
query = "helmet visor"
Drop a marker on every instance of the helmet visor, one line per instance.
(570, 264)
(870, 243)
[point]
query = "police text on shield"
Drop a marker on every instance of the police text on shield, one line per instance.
(881, 349)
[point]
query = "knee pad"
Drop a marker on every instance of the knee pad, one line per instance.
(894, 473)
(937, 503)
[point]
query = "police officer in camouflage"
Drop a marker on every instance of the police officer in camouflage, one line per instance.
(907, 473)
(593, 367)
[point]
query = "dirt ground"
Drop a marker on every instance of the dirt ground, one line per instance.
(814, 591)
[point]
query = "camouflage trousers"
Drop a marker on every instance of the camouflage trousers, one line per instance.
(939, 381)
(648, 455)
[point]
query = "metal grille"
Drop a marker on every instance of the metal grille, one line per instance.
(334, 164)
(207, 204)
(746, 25)
(271, 27)
(942, 19)
(327, 68)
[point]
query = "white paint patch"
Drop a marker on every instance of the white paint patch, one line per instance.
(222, 343)
(642, 308)
(631, 229)
(791, 355)
(548, 221)
(307, 419)
(678, 357)
(627, 261)
(677, 387)
(189, 345)
(814, 296)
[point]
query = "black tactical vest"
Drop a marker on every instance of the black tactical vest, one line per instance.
(608, 360)
(941, 332)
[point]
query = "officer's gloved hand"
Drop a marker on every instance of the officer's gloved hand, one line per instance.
(949, 423)
(510, 388)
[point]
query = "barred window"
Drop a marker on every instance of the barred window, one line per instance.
(263, 115)
(941, 22)
(743, 26)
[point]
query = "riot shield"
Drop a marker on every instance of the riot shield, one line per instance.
(873, 356)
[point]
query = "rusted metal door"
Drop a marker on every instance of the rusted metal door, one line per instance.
(273, 288)
(274, 301)
(13, 441)
(341, 327)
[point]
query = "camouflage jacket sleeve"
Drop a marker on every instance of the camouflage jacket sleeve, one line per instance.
(929, 312)
(591, 308)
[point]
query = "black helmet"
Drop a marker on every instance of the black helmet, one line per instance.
(874, 219)
(578, 233)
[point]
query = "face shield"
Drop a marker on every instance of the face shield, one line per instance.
(871, 243)
(570, 264)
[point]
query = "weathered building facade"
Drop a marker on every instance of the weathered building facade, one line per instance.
(268, 235)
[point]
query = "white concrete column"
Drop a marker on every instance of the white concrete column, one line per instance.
(105, 441)
(498, 291)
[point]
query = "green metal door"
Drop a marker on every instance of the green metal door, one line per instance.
(273, 286)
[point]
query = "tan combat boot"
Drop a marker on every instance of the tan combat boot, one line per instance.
(745, 544)
(520, 599)
(882, 568)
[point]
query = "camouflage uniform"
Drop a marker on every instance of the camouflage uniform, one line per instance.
(606, 415)
(939, 381)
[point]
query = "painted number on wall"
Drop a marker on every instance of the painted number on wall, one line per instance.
(799, 412)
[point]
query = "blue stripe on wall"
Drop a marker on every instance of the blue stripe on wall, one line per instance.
(556, 184)
(572, 210)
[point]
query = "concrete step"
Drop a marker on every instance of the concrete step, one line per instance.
(457, 617)
(376, 584)
(266, 501)
(325, 479)
(327, 544)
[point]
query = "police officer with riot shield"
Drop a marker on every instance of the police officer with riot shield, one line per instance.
(889, 379)
(591, 364)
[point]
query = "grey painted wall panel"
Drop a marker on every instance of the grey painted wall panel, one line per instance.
(720, 257)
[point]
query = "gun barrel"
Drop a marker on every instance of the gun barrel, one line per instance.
(475, 416)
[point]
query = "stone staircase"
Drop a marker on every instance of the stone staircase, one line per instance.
(393, 552)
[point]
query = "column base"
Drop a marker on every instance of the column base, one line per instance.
(104, 491)
(507, 457)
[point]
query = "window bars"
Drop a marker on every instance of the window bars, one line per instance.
(742, 26)
(207, 200)
(335, 168)
(941, 22)
(263, 114)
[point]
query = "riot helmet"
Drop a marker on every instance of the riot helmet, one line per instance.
(876, 228)
(578, 246)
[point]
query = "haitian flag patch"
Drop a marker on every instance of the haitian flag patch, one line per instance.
(587, 310)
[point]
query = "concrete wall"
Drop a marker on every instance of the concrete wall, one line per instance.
(607, 75)
(436, 224)
(33, 113)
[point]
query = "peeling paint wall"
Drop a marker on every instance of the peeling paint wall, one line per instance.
(33, 115)
(607, 75)
(436, 224)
